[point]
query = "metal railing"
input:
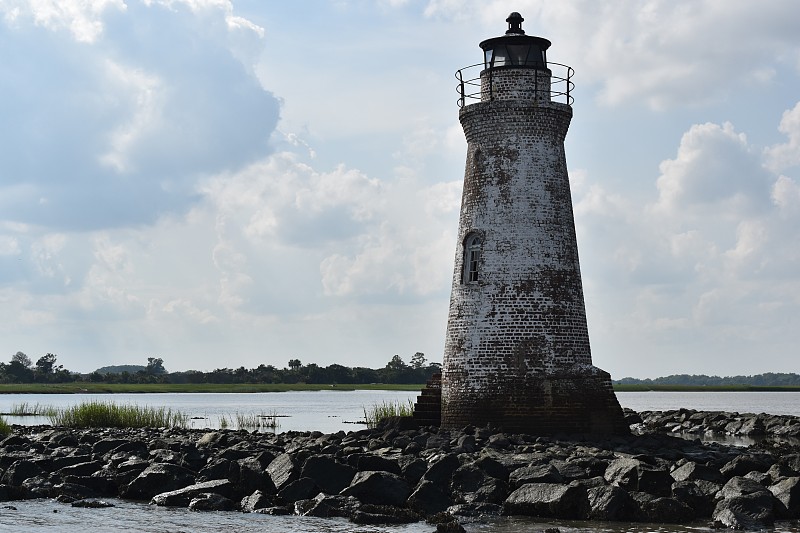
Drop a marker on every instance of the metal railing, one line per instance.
(469, 83)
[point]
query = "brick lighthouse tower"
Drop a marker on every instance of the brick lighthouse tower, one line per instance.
(517, 347)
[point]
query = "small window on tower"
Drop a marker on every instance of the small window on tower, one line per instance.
(472, 257)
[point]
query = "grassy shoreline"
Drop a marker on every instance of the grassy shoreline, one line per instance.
(133, 388)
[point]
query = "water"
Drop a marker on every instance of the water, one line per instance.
(330, 411)
(35, 516)
(326, 411)
(775, 403)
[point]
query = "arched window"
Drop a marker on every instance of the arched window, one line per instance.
(472, 257)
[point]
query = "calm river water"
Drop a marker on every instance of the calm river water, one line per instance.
(326, 411)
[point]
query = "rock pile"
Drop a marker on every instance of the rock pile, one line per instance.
(393, 475)
(712, 423)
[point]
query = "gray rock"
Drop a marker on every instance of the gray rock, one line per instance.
(543, 473)
(610, 503)
(330, 476)
(379, 488)
(548, 500)
(750, 512)
(182, 497)
(744, 504)
(699, 495)
(666, 510)
(429, 498)
(19, 471)
(787, 491)
(157, 478)
(327, 506)
(441, 469)
(300, 489)
(211, 502)
(743, 464)
(254, 502)
(383, 514)
(92, 503)
(691, 471)
(253, 477)
(283, 470)
(81, 469)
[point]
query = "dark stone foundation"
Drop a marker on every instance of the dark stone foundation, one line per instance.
(541, 404)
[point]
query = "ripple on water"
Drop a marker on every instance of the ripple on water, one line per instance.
(48, 515)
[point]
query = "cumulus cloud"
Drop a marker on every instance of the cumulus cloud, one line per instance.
(648, 52)
(786, 155)
(714, 166)
(115, 126)
(713, 258)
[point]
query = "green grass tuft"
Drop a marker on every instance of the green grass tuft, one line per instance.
(5, 429)
(374, 414)
(27, 409)
(261, 421)
(107, 414)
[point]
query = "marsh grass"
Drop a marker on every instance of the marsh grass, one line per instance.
(108, 414)
(5, 429)
(261, 421)
(374, 414)
(28, 409)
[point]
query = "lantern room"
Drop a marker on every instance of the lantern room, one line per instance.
(515, 49)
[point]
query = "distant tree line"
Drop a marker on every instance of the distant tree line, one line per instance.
(769, 379)
(21, 370)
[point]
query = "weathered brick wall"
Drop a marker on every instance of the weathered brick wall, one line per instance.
(517, 346)
(515, 84)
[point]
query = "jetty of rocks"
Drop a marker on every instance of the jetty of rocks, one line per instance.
(400, 473)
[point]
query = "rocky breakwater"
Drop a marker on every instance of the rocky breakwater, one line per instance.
(393, 474)
(710, 424)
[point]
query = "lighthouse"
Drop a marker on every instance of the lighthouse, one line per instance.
(517, 345)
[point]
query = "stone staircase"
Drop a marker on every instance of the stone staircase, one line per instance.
(428, 408)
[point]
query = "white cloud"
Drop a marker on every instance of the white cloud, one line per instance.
(137, 114)
(662, 53)
(787, 155)
(714, 166)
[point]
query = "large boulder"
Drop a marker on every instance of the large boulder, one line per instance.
(741, 465)
(787, 491)
(182, 497)
(211, 501)
(635, 475)
(744, 504)
(283, 470)
(699, 495)
(441, 469)
(327, 506)
(548, 500)
(609, 503)
(691, 471)
(254, 502)
(379, 488)
(157, 478)
(542, 473)
(299, 489)
(665, 510)
(19, 471)
(429, 498)
(253, 477)
(331, 477)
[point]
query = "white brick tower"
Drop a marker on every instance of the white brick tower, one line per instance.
(517, 348)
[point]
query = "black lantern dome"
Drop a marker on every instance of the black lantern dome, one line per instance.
(515, 49)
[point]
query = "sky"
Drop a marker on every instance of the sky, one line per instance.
(225, 183)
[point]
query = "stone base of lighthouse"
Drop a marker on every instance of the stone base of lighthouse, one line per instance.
(577, 400)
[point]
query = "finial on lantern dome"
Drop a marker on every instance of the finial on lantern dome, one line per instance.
(515, 24)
